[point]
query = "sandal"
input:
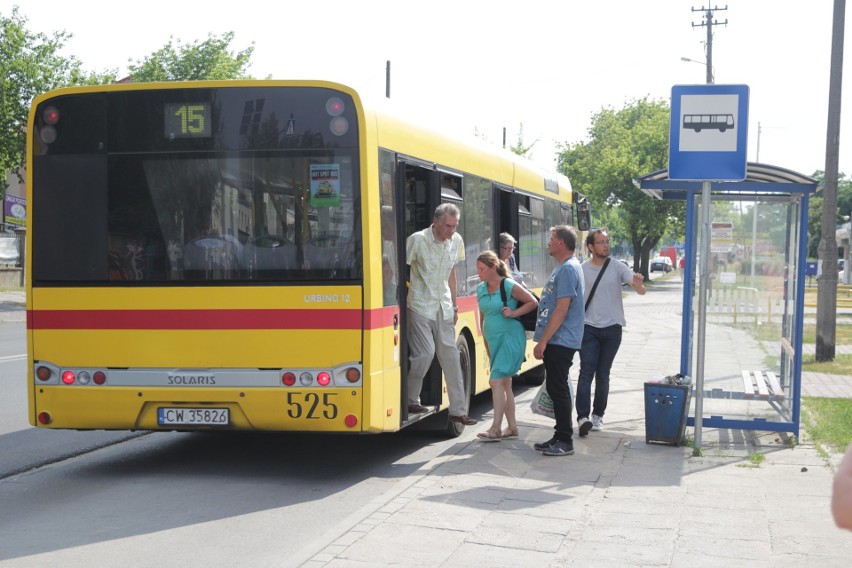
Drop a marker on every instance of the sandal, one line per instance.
(509, 433)
(489, 436)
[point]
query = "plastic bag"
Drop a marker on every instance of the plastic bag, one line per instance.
(542, 403)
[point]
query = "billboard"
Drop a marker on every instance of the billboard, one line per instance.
(15, 210)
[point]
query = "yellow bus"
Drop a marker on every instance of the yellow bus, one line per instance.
(229, 255)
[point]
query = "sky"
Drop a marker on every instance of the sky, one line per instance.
(477, 67)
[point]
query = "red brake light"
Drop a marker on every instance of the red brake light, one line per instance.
(323, 379)
(288, 379)
(99, 377)
(334, 106)
(50, 115)
(68, 377)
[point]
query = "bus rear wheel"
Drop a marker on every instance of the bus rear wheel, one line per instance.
(454, 429)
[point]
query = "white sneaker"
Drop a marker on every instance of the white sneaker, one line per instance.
(597, 423)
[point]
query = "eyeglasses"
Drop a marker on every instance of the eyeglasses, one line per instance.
(602, 243)
(508, 247)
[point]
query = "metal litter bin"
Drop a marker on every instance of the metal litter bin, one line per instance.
(666, 407)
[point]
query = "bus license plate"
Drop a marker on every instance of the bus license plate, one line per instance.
(193, 416)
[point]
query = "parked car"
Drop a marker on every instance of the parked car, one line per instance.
(661, 264)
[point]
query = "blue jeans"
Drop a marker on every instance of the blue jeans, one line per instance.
(557, 362)
(600, 344)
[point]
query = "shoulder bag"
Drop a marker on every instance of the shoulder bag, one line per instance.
(595, 286)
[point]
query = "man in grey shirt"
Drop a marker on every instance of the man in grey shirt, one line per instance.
(602, 330)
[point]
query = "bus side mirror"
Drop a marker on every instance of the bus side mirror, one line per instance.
(584, 216)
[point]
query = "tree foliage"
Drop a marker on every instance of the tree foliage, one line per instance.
(30, 64)
(519, 147)
(206, 60)
(622, 146)
(815, 205)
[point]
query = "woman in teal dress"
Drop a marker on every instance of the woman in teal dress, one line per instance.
(505, 338)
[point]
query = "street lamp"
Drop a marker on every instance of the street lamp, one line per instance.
(711, 75)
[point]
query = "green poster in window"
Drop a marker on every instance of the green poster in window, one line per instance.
(325, 185)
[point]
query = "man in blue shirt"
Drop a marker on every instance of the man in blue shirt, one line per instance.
(559, 334)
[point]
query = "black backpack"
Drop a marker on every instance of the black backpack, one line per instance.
(528, 319)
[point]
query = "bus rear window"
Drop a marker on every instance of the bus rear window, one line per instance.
(224, 189)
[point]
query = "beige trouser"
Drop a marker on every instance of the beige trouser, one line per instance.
(427, 338)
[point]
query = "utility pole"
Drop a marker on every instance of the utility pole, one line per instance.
(708, 46)
(704, 261)
(826, 335)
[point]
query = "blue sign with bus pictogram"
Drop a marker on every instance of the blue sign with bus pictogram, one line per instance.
(708, 133)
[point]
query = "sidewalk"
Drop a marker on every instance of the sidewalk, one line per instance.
(617, 501)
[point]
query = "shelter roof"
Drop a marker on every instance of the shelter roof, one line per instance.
(760, 179)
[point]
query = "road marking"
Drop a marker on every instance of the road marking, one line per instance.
(13, 357)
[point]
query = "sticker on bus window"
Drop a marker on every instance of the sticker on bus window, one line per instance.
(325, 185)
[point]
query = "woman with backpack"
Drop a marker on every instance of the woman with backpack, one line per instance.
(501, 301)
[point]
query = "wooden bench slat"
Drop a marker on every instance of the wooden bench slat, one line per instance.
(748, 385)
(774, 385)
(762, 391)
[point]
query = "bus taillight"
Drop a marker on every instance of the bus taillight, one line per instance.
(338, 126)
(68, 377)
(351, 421)
(50, 115)
(323, 379)
(288, 379)
(353, 375)
(43, 373)
(44, 418)
(99, 377)
(334, 106)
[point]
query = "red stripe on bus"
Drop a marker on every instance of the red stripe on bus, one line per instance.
(381, 317)
(220, 319)
(194, 319)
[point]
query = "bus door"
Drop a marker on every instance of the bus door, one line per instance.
(506, 214)
(417, 190)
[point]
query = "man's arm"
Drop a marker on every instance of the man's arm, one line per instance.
(451, 281)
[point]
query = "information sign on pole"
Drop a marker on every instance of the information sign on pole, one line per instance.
(708, 132)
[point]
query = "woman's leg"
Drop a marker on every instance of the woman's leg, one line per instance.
(509, 411)
(498, 396)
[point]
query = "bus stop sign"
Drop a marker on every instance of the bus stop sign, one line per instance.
(708, 132)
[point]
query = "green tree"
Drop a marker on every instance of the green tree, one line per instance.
(519, 147)
(206, 60)
(30, 64)
(815, 204)
(622, 146)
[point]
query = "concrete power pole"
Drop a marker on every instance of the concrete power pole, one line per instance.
(826, 336)
(708, 46)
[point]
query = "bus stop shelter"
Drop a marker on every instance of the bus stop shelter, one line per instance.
(754, 295)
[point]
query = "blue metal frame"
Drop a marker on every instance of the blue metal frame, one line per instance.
(761, 180)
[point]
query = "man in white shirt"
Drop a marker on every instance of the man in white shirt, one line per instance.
(432, 311)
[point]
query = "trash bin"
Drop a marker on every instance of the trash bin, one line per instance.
(666, 407)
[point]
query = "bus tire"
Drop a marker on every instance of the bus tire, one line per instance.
(454, 429)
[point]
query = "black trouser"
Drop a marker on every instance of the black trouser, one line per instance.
(557, 363)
